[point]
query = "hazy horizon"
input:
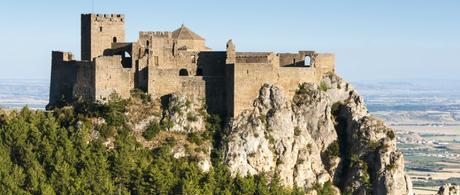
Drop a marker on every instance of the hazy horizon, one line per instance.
(389, 40)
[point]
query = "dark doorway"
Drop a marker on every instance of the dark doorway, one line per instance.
(183, 72)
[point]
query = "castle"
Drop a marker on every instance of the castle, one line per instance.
(161, 63)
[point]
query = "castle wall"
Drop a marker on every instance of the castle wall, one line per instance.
(212, 65)
(166, 81)
(206, 72)
(111, 77)
(248, 78)
(62, 77)
(98, 32)
(84, 87)
(162, 63)
(289, 78)
(325, 62)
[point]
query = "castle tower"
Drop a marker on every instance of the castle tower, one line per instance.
(98, 32)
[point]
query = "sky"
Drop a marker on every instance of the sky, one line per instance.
(372, 40)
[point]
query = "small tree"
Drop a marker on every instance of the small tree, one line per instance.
(152, 130)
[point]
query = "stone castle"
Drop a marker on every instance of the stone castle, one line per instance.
(161, 63)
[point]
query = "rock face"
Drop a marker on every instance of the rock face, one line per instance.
(449, 189)
(183, 115)
(323, 134)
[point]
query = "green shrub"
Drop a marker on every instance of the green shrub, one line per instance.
(333, 150)
(152, 130)
(107, 131)
(391, 134)
(171, 141)
(391, 166)
(326, 189)
(114, 110)
(191, 117)
(323, 86)
(301, 90)
(138, 93)
(176, 109)
(271, 140)
(167, 124)
(188, 103)
(195, 138)
(373, 145)
(297, 131)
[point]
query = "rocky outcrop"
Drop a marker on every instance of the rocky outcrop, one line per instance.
(323, 134)
(449, 189)
(182, 115)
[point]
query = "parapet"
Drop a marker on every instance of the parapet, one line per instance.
(62, 56)
(161, 34)
(105, 17)
(253, 57)
(326, 61)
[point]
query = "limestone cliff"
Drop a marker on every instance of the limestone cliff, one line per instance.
(324, 133)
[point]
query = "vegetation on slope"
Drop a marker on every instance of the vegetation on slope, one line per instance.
(65, 152)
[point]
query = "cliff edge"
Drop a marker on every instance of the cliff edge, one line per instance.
(323, 134)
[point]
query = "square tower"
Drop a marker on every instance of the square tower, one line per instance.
(98, 32)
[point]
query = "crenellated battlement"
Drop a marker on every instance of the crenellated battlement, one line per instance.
(160, 34)
(105, 17)
(62, 56)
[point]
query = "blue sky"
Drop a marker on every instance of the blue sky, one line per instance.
(373, 40)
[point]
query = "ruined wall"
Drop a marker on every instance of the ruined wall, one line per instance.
(84, 87)
(325, 62)
(62, 77)
(98, 32)
(166, 81)
(212, 66)
(248, 78)
(289, 78)
(111, 77)
(204, 80)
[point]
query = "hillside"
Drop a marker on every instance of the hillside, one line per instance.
(322, 141)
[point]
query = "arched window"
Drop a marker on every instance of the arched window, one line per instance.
(193, 59)
(148, 43)
(114, 39)
(100, 29)
(199, 72)
(183, 72)
(307, 61)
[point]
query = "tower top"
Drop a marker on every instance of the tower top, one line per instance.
(104, 17)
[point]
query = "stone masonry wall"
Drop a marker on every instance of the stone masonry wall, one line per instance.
(249, 77)
(62, 77)
(99, 31)
(111, 77)
(84, 87)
